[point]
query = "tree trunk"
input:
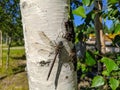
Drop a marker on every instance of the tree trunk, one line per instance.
(100, 42)
(8, 52)
(44, 28)
(1, 61)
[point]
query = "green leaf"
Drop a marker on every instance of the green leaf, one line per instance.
(83, 67)
(114, 83)
(96, 52)
(80, 11)
(110, 64)
(78, 65)
(118, 57)
(97, 81)
(105, 73)
(117, 29)
(90, 61)
(86, 2)
(113, 1)
(93, 16)
(114, 12)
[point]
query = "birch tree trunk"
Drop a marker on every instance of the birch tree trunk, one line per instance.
(44, 25)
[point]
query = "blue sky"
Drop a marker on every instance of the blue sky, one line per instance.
(78, 21)
(109, 23)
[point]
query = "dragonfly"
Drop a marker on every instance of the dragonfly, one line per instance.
(57, 47)
(58, 50)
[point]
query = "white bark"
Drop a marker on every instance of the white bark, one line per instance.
(43, 24)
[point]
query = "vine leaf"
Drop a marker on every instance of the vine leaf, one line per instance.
(105, 73)
(80, 11)
(110, 64)
(114, 83)
(117, 29)
(86, 2)
(90, 61)
(98, 81)
(113, 1)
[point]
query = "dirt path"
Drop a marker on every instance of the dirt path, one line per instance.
(15, 82)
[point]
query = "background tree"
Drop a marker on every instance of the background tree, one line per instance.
(10, 23)
(100, 42)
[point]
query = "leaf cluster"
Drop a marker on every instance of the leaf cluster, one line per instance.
(110, 73)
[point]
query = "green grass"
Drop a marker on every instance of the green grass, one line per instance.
(15, 76)
(17, 56)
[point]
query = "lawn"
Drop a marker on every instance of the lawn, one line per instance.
(15, 77)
